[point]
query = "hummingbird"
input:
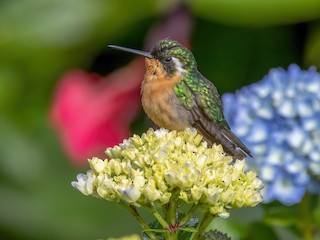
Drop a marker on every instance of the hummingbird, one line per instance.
(176, 96)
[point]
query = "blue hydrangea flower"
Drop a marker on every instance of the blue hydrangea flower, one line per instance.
(278, 118)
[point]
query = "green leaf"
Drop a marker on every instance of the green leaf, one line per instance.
(250, 53)
(261, 232)
(257, 13)
(156, 227)
(312, 51)
(156, 230)
(316, 215)
(282, 216)
(193, 230)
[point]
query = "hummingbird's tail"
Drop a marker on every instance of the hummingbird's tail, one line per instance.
(235, 145)
(218, 132)
(213, 133)
(230, 143)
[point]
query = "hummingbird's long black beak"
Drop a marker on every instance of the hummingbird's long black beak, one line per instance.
(139, 52)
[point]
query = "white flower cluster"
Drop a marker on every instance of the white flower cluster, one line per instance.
(162, 166)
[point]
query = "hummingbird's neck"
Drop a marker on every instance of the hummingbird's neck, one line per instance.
(157, 72)
(157, 81)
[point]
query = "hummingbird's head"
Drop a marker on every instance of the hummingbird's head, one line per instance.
(174, 57)
(167, 55)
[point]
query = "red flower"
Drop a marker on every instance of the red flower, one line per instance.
(91, 113)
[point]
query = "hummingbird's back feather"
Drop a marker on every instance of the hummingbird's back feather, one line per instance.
(207, 114)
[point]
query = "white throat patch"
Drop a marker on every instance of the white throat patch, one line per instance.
(178, 65)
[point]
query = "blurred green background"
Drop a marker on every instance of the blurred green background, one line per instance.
(235, 43)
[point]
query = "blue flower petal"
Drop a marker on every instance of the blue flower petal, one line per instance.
(258, 132)
(278, 118)
(286, 192)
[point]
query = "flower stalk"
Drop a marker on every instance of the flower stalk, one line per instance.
(172, 214)
(133, 210)
(187, 217)
(159, 218)
(205, 221)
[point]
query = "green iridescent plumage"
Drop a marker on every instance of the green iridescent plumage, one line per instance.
(184, 94)
(209, 96)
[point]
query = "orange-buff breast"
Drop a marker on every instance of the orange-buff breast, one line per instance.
(159, 100)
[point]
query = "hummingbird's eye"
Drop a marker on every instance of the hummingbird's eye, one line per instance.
(167, 59)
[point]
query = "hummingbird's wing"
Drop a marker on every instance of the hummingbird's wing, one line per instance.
(207, 114)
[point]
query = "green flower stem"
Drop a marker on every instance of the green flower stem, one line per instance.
(189, 215)
(172, 236)
(159, 218)
(172, 211)
(133, 210)
(168, 234)
(306, 221)
(165, 211)
(205, 221)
